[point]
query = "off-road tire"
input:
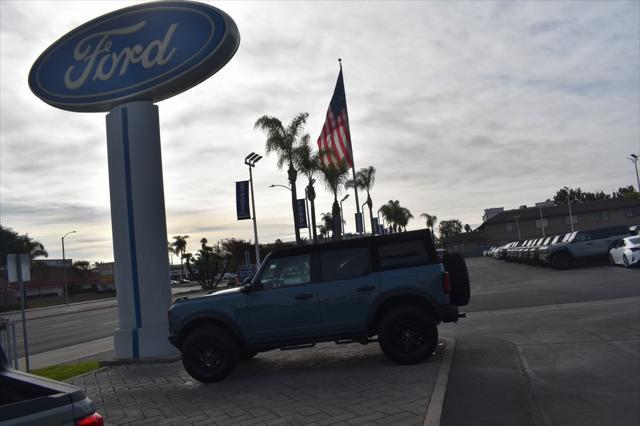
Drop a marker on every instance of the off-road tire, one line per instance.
(561, 260)
(209, 354)
(455, 265)
(407, 335)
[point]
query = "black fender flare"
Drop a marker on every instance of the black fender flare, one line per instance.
(413, 297)
(195, 320)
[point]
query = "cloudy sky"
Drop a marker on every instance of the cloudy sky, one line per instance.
(460, 106)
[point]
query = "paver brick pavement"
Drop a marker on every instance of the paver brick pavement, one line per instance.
(328, 384)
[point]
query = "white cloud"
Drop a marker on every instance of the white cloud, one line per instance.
(460, 106)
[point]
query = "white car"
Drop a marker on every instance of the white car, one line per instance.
(626, 252)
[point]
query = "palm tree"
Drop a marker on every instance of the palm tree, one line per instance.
(308, 163)
(179, 248)
(365, 178)
(431, 222)
(396, 215)
(327, 224)
(335, 176)
(404, 216)
(283, 141)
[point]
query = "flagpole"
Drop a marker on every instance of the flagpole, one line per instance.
(353, 168)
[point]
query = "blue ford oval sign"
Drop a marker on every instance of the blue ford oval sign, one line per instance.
(150, 51)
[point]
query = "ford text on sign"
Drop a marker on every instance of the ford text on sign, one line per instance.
(145, 52)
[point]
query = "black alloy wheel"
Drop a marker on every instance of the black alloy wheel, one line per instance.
(625, 260)
(407, 335)
(611, 261)
(209, 354)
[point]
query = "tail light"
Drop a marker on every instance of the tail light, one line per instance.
(446, 285)
(93, 420)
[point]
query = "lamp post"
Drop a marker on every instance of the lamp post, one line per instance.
(251, 160)
(306, 198)
(634, 159)
(518, 227)
(542, 222)
(341, 214)
(569, 203)
(64, 269)
(364, 231)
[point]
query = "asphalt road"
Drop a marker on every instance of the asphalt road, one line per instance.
(64, 326)
(546, 347)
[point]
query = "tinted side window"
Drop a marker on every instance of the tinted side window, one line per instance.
(402, 254)
(345, 264)
(598, 234)
(582, 236)
(619, 230)
(286, 271)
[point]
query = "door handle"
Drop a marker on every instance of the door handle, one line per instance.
(365, 288)
(303, 296)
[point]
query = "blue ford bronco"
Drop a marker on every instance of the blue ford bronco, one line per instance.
(395, 287)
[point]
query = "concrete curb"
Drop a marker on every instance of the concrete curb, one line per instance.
(141, 361)
(434, 407)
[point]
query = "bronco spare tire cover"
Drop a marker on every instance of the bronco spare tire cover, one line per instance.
(455, 265)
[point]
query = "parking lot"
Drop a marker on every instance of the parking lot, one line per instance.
(538, 347)
(328, 384)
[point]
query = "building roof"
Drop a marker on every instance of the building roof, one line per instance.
(532, 213)
(465, 237)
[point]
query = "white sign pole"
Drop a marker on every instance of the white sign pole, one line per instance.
(18, 270)
(139, 231)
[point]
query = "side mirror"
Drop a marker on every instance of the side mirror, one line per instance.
(246, 284)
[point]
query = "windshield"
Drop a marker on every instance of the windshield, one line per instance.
(634, 241)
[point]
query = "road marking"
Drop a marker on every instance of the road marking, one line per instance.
(109, 322)
(434, 408)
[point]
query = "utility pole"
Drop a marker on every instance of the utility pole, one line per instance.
(634, 159)
(518, 227)
(569, 203)
(64, 268)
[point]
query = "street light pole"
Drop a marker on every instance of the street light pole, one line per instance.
(569, 203)
(306, 204)
(634, 159)
(64, 269)
(341, 213)
(518, 227)
(251, 160)
(542, 222)
(364, 230)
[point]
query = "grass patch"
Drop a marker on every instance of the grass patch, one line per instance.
(66, 371)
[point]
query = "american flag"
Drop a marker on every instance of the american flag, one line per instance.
(335, 141)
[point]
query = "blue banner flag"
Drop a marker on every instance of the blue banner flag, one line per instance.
(375, 226)
(301, 214)
(242, 200)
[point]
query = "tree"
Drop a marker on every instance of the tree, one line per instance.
(449, 228)
(431, 222)
(83, 268)
(308, 163)
(283, 141)
(180, 248)
(334, 177)
(11, 242)
(365, 178)
(467, 228)
(627, 193)
(396, 215)
(327, 224)
(207, 267)
(577, 195)
(236, 249)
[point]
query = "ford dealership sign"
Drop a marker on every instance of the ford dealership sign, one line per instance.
(145, 52)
